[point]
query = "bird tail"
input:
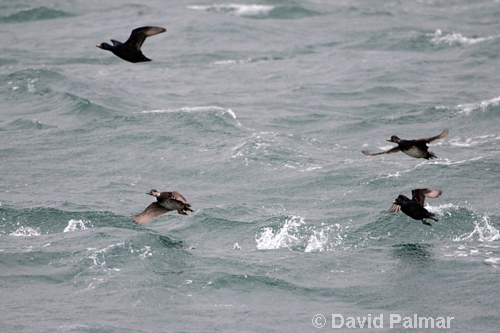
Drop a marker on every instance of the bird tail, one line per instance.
(188, 207)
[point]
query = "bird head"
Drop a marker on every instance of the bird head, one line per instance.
(394, 139)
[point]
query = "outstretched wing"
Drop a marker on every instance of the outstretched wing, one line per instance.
(151, 212)
(139, 35)
(434, 138)
(418, 195)
(390, 151)
(394, 208)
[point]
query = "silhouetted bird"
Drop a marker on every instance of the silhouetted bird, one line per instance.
(414, 208)
(165, 202)
(414, 148)
(131, 49)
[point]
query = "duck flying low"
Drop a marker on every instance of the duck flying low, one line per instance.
(414, 208)
(131, 49)
(415, 148)
(165, 202)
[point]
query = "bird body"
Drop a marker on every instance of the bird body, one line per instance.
(414, 208)
(131, 49)
(414, 148)
(165, 202)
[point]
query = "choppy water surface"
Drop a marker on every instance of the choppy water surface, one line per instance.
(257, 113)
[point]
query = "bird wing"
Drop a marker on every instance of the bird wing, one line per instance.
(116, 43)
(434, 138)
(418, 195)
(177, 196)
(390, 151)
(151, 212)
(139, 35)
(394, 208)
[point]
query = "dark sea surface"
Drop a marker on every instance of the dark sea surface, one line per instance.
(257, 113)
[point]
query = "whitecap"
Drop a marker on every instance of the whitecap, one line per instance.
(482, 106)
(456, 38)
(189, 109)
(74, 225)
(236, 9)
(26, 232)
(98, 256)
(441, 209)
(285, 236)
(493, 260)
(233, 62)
(473, 141)
(483, 230)
(317, 241)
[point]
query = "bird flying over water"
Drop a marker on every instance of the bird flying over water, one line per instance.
(414, 208)
(414, 148)
(131, 49)
(165, 202)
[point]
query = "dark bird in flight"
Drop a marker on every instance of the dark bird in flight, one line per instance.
(131, 49)
(414, 148)
(165, 202)
(414, 208)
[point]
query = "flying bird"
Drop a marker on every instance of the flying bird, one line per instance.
(414, 148)
(131, 49)
(165, 202)
(414, 208)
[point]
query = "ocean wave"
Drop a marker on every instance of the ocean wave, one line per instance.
(236, 9)
(210, 109)
(202, 114)
(25, 124)
(25, 232)
(35, 14)
(258, 10)
(483, 231)
(31, 80)
(74, 225)
(277, 150)
(482, 106)
(456, 39)
(294, 234)
(287, 235)
(245, 61)
(474, 141)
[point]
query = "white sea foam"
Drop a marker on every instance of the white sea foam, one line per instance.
(483, 230)
(98, 256)
(456, 38)
(233, 62)
(74, 225)
(441, 209)
(26, 232)
(285, 236)
(479, 243)
(482, 106)
(145, 252)
(218, 111)
(192, 109)
(236, 9)
(324, 238)
(474, 141)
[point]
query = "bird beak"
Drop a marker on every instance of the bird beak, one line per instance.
(394, 201)
(98, 45)
(390, 139)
